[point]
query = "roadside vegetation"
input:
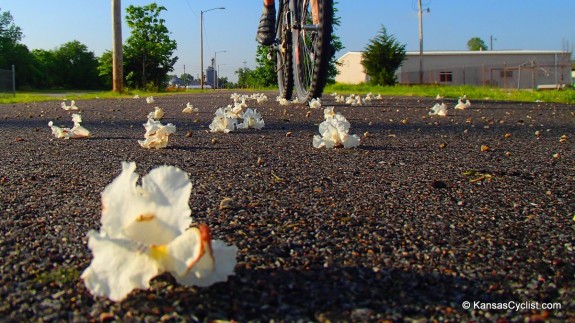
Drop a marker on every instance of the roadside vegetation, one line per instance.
(474, 93)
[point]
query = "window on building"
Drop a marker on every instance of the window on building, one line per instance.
(506, 74)
(445, 77)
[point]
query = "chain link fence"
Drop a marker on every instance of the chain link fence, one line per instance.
(512, 70)
(8, 81)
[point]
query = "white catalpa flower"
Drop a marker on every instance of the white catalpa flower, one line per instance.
(261, 98)
(283, 101)
(150, 100)
(157, 134)
(439, 109)
(136, 96)
(222, 123)
(236, 111)
(145, 232)
(71, 107)
(462, 104)
(252, 119)
(334, 134)
(328, 113)
(77, 131)
(157, 114)
(189, 108)
(315, 103)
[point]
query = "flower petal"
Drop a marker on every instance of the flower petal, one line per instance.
(155, 213)
(215, 265)
(170, 188)
(118, 267)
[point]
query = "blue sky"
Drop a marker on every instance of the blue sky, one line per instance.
(514, 24)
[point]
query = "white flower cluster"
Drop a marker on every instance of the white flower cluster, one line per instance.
(157, 134)
(355, 100)
(439, 109)
(71, 107)
(77, 131)
(146, 231)
(189, 108)
(226, 119)
(157, 114)
(334, 132)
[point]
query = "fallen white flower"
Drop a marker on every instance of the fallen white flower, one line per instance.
(222, 123)
(283, 101)
(252, 119)
(315, 103)
(77, 131)
(439, 109)
(334, 134)
(261, 98)
(189, 108)
(462, 104)
(145, 232)
(136, 96)
(150, 100)
(157, 134)
(236, 111)
(71, 107)
(157, 114)
(329, 113)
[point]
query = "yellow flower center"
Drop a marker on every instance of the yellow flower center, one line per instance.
(145, 217)
(159, 253)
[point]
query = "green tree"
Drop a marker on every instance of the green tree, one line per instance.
(265, 74)
(187, 78)
(14, 53)
(148, 51)
(76, 66)
(382, 57)
(476, 43)
(105, 68)
(245, 78)
(10, 35)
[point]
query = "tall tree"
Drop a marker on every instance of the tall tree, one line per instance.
(77, 66)
(264, 75)
(476, 43)
(10, 36)
(382, 57)
(149, 49)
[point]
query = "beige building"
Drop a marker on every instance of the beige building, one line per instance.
(350, 69)
(507, 69)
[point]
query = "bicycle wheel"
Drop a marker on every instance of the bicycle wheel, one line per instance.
(283, 48)
(311, 48)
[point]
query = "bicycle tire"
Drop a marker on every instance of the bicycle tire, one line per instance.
(283, 48)
(311, 48)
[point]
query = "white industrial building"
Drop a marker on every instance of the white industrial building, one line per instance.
(525, 69)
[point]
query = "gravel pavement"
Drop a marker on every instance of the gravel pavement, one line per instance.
(427, 213)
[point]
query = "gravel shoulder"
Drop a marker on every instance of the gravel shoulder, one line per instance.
(409, 225)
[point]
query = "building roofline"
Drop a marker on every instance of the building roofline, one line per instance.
(488, 52)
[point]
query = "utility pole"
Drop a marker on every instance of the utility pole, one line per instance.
(420, 14)
(117, 55)
(202, 43)
(491, 39)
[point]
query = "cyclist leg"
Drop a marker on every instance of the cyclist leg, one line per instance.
(266, 28)
(314, 11)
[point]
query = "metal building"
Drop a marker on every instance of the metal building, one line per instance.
(522, 69)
